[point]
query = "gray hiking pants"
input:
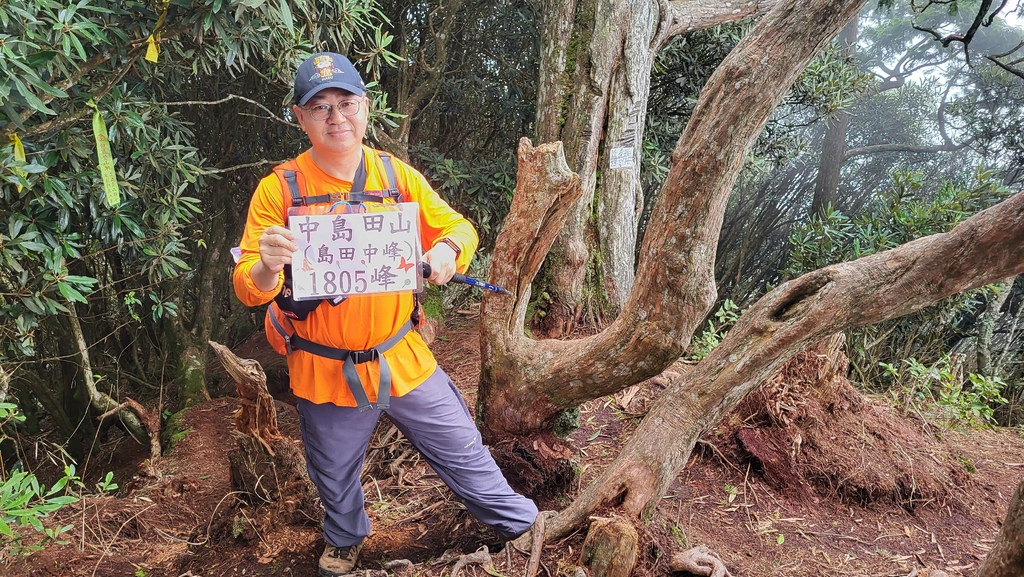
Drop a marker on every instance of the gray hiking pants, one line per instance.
(434, 418)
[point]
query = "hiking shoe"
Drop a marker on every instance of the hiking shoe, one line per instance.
(339, 560)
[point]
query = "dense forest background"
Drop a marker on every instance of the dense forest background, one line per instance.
(115, 274)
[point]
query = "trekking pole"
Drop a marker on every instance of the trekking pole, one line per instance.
(425, 270)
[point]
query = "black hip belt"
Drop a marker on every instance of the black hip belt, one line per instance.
(353, 358)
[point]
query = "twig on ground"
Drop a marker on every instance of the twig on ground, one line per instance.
(719, 453)
(422, 513)
(108, 545)
(834, 536)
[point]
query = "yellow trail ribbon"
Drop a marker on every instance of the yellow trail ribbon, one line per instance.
(153, 41)
(19, 155)
(106, 159)
(152, 50)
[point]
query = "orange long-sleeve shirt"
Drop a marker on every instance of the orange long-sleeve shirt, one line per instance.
(361, 321)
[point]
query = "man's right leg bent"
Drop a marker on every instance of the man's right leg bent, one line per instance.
(335, 440)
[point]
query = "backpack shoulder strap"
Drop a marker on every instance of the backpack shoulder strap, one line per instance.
(389, 170)
(293, 186)
(288, 174)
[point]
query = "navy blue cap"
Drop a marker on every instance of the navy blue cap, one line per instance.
(326, 70)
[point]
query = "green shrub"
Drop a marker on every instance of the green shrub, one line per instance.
(720, 323)
(480, 189)
(25, 504)
(941, 391)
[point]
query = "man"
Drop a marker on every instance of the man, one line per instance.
(331, 107)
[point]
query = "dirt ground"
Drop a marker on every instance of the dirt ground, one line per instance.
(843, 487)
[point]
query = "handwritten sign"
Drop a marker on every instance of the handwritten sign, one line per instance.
(356, 249)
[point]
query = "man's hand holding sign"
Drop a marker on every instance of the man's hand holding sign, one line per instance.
(277, 244)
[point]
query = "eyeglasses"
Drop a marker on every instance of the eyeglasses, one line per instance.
(324, 111)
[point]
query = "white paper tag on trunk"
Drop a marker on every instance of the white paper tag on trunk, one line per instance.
(620, 158)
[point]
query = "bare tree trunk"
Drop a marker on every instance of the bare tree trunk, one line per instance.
(833, 149)
(1006, 559)
(524, 384)
(5, 383)
(556, 27)
(1006, 355)
(986, 326)
(609, 71)
(100, 400)
(214, 279)
(595, 33)
(984, 248)
(420, 77)
(620, 198)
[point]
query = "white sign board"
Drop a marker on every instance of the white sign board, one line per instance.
(356, 249)
(620, 158)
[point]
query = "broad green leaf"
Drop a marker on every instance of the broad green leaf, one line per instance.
(70, 293)
(31, 98)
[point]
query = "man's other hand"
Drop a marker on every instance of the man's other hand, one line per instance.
(441, 259)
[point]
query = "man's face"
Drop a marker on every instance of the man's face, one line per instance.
(335, 133)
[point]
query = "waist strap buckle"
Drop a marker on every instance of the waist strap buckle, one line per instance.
(360, 357)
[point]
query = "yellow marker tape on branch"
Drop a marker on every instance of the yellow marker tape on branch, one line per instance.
(19, 155)
(106, 159)
(153, 41)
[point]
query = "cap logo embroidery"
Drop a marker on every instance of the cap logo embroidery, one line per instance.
(324, 66)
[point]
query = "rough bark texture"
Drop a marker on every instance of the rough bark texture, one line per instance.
(987, 247)
(610, 549)
(581, 116)
(266, 467)
(619, 196)
(545, 191)
(257, 417)
(689, 15)
(986, 327)
(1006, 559)
(556, 26)
(525, 383)
(609, 73)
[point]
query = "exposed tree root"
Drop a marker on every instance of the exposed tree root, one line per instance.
(481, 557)
(537, 546)
(700, 561)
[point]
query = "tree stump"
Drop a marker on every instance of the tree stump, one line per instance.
(256, 417)
(266, 467)
(610, 549)
(279, 478)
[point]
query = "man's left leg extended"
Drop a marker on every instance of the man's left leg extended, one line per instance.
(435, 419)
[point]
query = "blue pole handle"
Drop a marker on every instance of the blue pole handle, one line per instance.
(425, 270)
